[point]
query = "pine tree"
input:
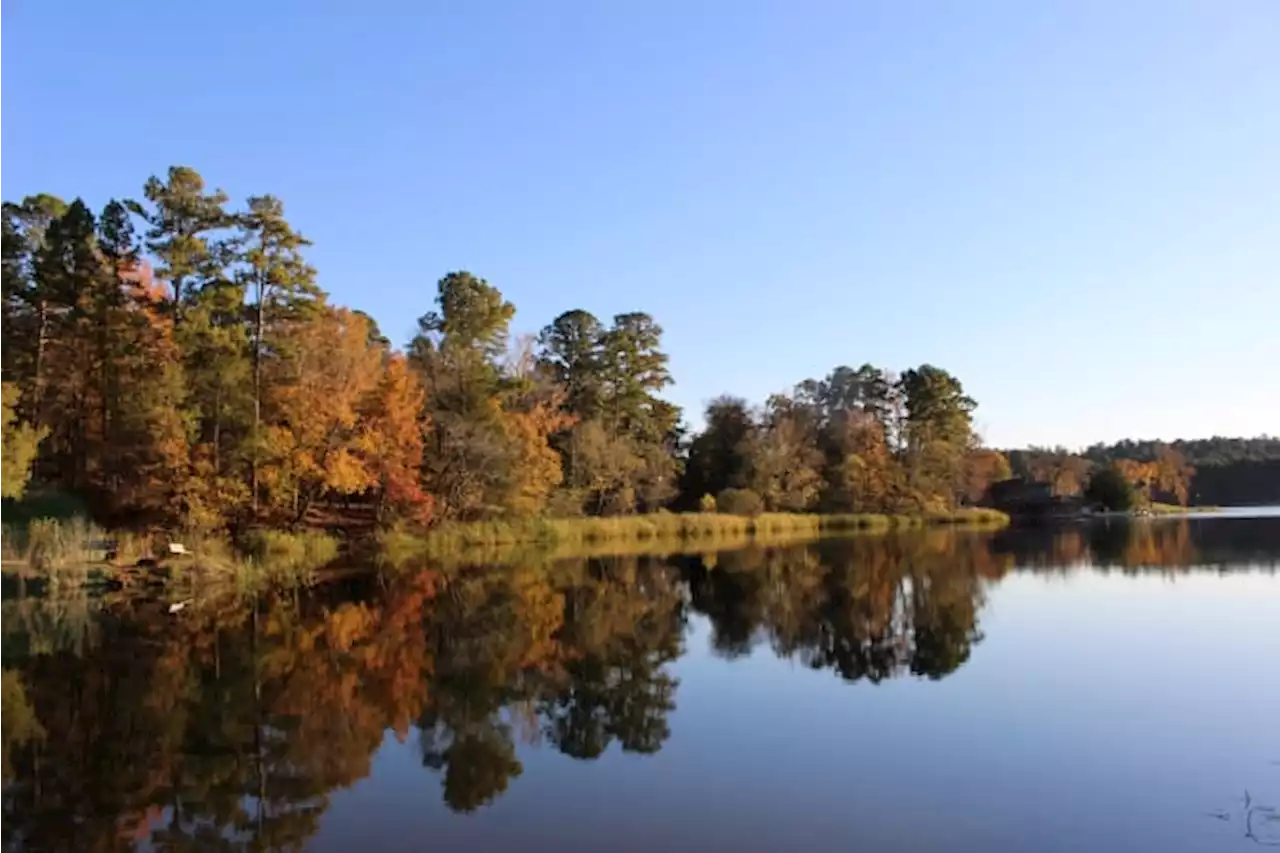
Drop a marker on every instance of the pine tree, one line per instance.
(283, 290)
(190, 236)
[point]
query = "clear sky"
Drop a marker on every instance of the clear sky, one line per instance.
(1073, 206)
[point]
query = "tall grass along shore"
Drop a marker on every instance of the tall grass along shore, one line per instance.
(664, 530)
(74, 552)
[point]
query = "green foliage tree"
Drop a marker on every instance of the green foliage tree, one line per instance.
(938, 433)
(1110, 488)
(634, 369)
(571, 351)
(28, 302)
(456, 354)
(721, 455)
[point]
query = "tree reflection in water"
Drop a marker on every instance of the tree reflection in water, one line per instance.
(231, 726)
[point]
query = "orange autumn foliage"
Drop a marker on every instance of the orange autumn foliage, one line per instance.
(342, 418)
(391, 440)
(537, 468)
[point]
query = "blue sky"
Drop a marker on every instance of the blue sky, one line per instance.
(1073, 206)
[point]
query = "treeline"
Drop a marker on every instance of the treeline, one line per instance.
(1228, 471)
(1213, 471)
(173, 361)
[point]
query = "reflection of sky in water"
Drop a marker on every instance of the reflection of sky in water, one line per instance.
(1100, 712)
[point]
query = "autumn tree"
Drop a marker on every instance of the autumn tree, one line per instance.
(859, 472)
(605, 469)
(314, 439)
(533, 415)
(391, 438)
(784, 458)
(982, 468)
(1172, 473)
(1065, 472)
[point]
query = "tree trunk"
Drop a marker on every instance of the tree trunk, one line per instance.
(257, 401)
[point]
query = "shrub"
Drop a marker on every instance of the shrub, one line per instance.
(739, 502)
(707, 503)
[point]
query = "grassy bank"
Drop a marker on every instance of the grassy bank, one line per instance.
(73, 552)
(660, 531)
(1174, 509)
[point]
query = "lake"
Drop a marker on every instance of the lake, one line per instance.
(1113, 687)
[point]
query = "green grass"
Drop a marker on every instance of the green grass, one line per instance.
(663, 532)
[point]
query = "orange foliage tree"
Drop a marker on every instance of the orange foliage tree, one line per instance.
(391, 441)
(314, 440)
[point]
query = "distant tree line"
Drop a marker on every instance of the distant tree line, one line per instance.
(1227, 471)
(1212, 471)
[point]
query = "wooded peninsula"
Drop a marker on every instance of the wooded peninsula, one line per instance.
(170, 363)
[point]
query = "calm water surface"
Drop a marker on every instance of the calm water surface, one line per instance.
(1105, 688)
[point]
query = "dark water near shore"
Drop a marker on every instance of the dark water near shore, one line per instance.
(1113, 687)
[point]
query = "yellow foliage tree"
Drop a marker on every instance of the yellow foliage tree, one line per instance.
(314, 441)
(536, 469)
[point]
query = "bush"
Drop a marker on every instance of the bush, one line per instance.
(707, 503)
(739, 502)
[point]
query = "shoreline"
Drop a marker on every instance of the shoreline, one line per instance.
(686, 530)
(76, 554)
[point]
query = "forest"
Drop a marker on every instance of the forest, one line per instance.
(171, 361)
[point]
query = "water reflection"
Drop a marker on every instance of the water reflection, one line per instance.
(230, 726)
